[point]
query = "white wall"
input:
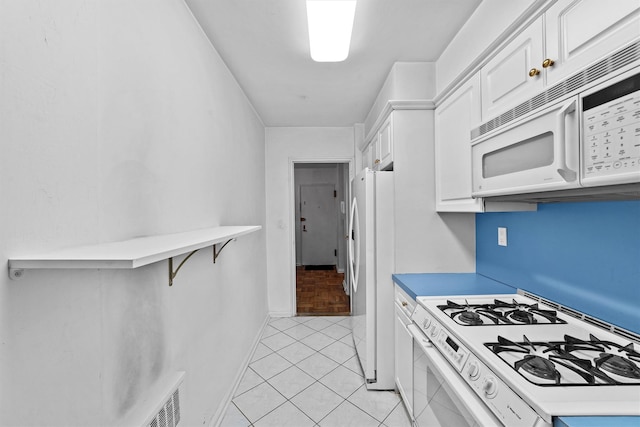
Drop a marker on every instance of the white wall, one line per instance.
(283, 146)
(425, 241)
(406, 80)
(490, 19)
(118, 119)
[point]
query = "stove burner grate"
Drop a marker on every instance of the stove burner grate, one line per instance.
(601, 360)
(499, 313)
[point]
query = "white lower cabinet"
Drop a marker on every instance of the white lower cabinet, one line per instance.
(404, 349)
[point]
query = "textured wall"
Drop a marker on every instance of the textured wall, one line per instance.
(119, 119)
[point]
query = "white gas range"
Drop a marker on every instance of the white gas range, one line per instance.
(525, 361)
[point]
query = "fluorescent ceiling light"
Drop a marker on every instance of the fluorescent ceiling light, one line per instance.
(330, 25)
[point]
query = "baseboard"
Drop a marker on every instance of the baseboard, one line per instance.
(222, 408)
(340, 270)
(281, 314)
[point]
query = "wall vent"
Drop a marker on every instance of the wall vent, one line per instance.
(169, 414)
(600, 69)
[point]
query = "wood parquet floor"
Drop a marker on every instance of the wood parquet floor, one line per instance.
(320, 292)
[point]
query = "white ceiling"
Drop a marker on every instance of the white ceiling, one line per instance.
(265, 45)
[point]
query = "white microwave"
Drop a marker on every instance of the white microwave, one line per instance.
(590, 139)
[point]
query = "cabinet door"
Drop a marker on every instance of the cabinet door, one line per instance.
(579, 32)
(454, 120)
(404, 360)
(505, 79)
(384, 152)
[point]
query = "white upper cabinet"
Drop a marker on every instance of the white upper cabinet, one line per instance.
(384, 146)
(454, 119)
(581, 32)
(571, 35)
(513, 74)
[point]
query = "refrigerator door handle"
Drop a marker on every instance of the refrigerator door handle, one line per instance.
(354, 221)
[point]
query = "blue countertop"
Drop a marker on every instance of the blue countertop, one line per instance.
(434, 284)
(445, 284)
(597, 422)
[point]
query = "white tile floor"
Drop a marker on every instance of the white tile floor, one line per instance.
(305, 372)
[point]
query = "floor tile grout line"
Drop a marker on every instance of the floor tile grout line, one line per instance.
(315, 380)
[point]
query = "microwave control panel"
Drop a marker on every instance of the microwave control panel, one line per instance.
(611, 132)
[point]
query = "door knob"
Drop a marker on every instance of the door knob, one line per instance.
(547, 63)
(533, 72)
(303, 219)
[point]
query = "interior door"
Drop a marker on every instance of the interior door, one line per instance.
(319, 224)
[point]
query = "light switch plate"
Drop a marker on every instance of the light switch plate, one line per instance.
(502, 236)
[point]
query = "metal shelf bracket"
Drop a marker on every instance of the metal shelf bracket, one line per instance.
(173, 274)
(216, 252)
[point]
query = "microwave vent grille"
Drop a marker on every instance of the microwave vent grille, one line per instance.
(600, 69)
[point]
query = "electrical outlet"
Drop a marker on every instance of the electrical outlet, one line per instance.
(502, 236)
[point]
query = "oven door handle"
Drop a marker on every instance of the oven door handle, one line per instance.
(419, 336)
(455, 383)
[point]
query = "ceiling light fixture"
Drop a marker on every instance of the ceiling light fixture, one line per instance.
(330, 25)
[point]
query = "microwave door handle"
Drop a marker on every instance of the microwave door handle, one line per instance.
(561, 148)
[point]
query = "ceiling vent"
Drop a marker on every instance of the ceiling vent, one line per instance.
(589, 75)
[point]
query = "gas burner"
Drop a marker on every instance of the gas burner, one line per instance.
(617, 365)
(470, 317)
(539, 367)
(521, 316)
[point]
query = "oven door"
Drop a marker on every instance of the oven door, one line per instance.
(440, 395)
(536, 154)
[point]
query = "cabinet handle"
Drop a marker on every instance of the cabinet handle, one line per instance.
(377, 161)
(404, 303)
(547, 63)
(533, 72)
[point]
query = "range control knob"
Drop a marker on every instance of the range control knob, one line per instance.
(473, 370)
(434, 331)
(490, 387)
(426, 323)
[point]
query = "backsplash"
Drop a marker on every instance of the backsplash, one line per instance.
(584, 255)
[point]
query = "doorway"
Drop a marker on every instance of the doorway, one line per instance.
(321, 220)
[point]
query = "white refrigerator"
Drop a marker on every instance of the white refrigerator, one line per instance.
(371, 263)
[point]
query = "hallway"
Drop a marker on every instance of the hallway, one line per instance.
(320, 292)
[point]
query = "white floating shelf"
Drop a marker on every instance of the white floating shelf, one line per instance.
(128, 254)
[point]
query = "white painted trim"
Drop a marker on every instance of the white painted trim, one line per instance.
(222, 407)
(281, 314)
(292, 218)
(391, 105)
